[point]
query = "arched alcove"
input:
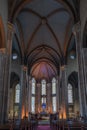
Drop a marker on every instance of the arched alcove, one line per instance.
(73, 95)
(14, 96)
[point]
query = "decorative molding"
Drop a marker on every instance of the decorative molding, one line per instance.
(3, 50)
(62, 67)
(25, 68)
(11, 27)
(76, 28)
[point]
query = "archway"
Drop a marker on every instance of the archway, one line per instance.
(14, 97)
(73, 95)
(45, 75)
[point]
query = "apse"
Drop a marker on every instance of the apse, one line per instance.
(43, 70)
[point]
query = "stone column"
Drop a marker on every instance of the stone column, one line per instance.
(64, 96)
(36, 98)
(9, 52)
(23, 95)
(29, 94)
(85, 73)
(7, 66)
(82, 98)
(57, 92)
(60, 97)
(39, 96)
(49, 98)
(3, 84)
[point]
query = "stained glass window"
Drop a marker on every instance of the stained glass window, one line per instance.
(17, 93)
(33, 95)
(33, 86)
(43, 100)
(53, 86)
(43, 91)
(54, 103)
(33, 104)
(70, 94)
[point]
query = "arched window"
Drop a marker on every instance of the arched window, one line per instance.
(70, 93)
(17, 93)
(54, 95)
(43, 100)
(43, 90)
(53, 86)
(54, 103)
(33, 104)
(33, 86)
(33, 89)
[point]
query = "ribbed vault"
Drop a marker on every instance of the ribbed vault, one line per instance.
(43, 29)
(43, 70)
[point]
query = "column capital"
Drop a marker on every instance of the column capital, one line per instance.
(2, 50)
(10, 33)
(11, 27)
(76, 28)
(62, 67)
(25, 68)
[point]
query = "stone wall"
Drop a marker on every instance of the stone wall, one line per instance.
(4, 13)
(72, 66)
(83, 15)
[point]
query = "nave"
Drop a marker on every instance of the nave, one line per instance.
(43, 127)
(51, 124)
(43, 64)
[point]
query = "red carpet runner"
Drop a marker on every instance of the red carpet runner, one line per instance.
(43, 127)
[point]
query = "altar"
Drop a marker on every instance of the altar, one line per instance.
(44, 115)
(43, 118)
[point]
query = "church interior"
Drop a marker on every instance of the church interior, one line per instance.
(43, 60)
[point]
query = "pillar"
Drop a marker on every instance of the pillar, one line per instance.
(29, 94)
(39, 96)
(57, 92)
(82, 98)
(9, 52)
(3, 85)
(64, 96)
(24, 93)
(49, 98)
(85, 73)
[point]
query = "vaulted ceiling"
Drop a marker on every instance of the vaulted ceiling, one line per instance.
(43, 30)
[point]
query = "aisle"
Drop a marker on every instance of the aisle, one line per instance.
(43, 127)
